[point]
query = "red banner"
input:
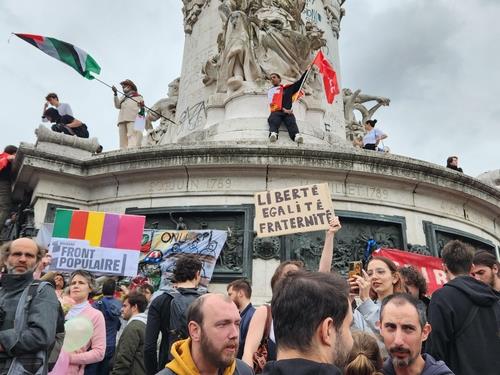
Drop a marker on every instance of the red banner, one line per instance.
(431, 267)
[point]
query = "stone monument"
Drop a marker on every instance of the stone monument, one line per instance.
(211, 153)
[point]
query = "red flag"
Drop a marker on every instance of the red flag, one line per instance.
(329, 76)
(430, 267)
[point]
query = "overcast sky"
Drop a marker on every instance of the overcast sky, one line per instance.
(437, 60)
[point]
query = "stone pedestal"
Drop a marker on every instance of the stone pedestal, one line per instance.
(400, 202)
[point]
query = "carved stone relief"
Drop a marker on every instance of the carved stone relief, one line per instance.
(350, 243)
(191, 10)
(163, 110)
(260, 37)
(442, 238)
(267, 248)
(334, 13)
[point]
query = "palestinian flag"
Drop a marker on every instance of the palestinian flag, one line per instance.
(78, 59)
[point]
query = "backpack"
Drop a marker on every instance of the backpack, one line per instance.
(179, 304)
(34, 363)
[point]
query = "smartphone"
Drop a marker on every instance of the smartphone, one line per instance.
(355, 268)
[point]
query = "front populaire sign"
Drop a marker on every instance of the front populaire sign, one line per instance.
(98, 242)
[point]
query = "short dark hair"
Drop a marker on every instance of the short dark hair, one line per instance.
(458, 256)
(10, 149)
(412, 276)
(86, 275)
(295, 322)
(278, 273)
(108, 287)
(145, 287)
(450, 159)
(51, 95)
(400, 299)
(186, 267)
(137, 299)
(241, 284)
(485, 258)
(275, 74)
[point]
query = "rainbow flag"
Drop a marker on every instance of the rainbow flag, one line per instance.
(100, 229)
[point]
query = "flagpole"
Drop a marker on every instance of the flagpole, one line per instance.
(130, 97)
(307, 76)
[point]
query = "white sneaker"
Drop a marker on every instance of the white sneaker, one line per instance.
(299, 138)
(273, 137)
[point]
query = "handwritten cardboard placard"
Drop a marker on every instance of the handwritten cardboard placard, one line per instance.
(293, 210)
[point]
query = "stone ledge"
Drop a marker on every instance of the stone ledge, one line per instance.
(249, 155)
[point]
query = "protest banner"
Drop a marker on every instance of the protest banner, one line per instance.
(293, 210)
(431, 267)
(99, 242)
(162, 248)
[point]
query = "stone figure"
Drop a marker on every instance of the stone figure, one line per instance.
(260, 37)
(355, 102)
(237, 58)
(334, 13)
(163, 110)
(179, 223)
(191, 10)
(491, 178)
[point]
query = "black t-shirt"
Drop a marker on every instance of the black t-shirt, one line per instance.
(5, 172)
(66, 119)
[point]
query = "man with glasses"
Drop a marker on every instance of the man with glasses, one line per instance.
(20, 258)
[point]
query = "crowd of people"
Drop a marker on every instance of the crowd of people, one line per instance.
(379, 322)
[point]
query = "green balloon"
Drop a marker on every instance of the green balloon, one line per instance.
(79, 330)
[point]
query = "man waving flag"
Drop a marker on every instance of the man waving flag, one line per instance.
(78, 59)
(329, 76)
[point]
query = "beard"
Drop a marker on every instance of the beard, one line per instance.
(12, 269)
(401, 362)
(491, 281)
(341, 351)
(216, 356)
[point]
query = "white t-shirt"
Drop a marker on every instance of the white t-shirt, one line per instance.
(372, 135)
(63, 109)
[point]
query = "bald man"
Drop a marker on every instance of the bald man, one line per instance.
(20, 258)
(214, 328)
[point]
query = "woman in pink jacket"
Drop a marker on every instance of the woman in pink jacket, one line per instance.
(80, 286)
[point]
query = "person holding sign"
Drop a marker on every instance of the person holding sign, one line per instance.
(257, 330)
(81, 283)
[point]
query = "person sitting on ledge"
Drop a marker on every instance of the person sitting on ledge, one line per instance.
(281, 98)
(66, 124)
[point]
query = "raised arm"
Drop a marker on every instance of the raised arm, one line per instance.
(325, 263)
(255, 334)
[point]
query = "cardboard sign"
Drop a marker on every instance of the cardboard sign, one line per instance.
(98, 242)
(431, 267)
(293, 210)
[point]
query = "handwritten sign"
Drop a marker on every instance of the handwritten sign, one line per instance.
(293, 210)
(98, 242)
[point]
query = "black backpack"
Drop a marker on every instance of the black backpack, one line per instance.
(181, 299)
